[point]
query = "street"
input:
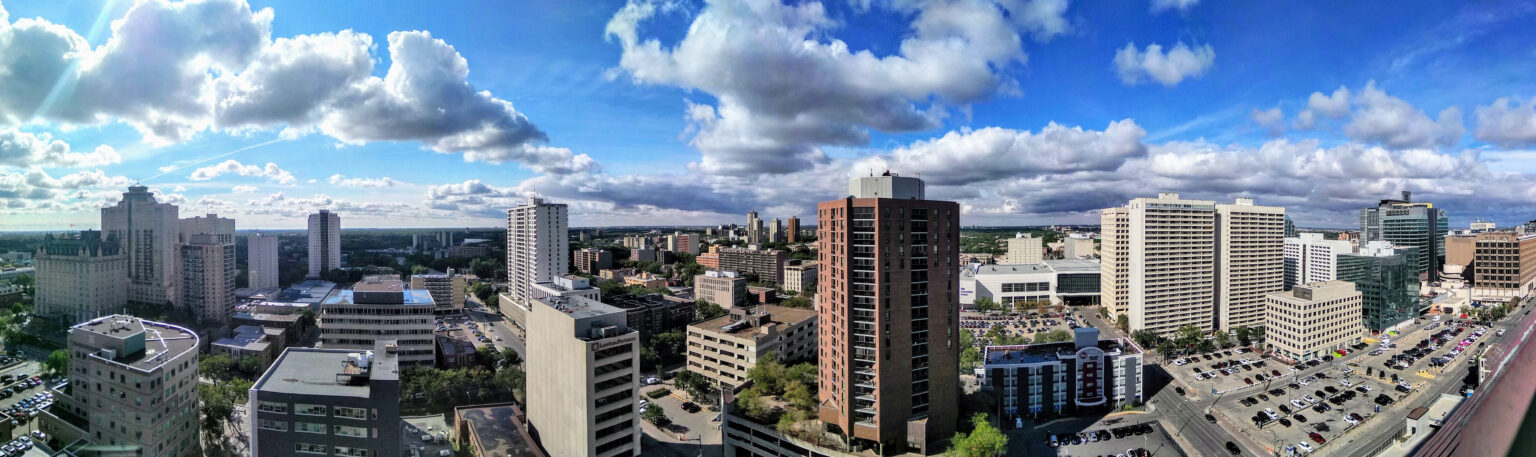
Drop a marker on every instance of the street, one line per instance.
(502, 333)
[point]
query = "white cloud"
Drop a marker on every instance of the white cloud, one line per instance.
(23, 150)
(962, 157)
(1135, 66)
(1181, 5)
(1271, 120)
(271, 172)
(1507, 122)
(343, 181)
(243, 190)
(1391, 121)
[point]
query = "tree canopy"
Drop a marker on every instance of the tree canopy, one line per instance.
(984, 440)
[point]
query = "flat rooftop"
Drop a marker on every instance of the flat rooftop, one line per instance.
(311, 371)
(1073, 265)
(782, 318)
(580, 307)
(627, 302)
(1050, 352)
(162, 342)
(496, 432)
(311, 291)
(246, 337)
(412, 297)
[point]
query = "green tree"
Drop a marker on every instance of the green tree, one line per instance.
(985, 304)
(1146, 338)
(656, 415)
(249, 366)
(216, 367)
(1124, 322)
(704, 311)
(969, 359)
(420, 269)
(1244, 335)
(1189, 335)
(1053, 336)
(482, 292)
(1222, 340)
(511, 357)
(57, 362)
(983, 441)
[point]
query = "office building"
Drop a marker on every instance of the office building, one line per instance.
(1313, 319)
(1480, 225)
(684, 243)
(1024, 249)
(1503, 265)
(1115, 260)
(537, 244)
(1409, 224)
(792, 230)
(1388, 281)
(1528, 228)
(653, 314)
(261, 261)
(1073, 282)
(1077, 246)
(754, 228)
(592, 260)
(221, 229)
(723, 288)
(134, 386)
(583, 378)
(724, 348)
(447, 290)
(800, 276)
(1169, 262)
(767, 264)
(81, 278)
(1309, 258)
(208, 278)
(646, 280)
(1290, 227)
(380, 309)
(1082, 375)
(494, 430)
(324, 243)
(328, 402)
(565, 286)
(148, 232)
(887, 291)
(1250, 261)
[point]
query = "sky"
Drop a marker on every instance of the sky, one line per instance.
(444, 114)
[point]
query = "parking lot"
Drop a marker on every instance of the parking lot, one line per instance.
(688, 428)
(1024, 325)
(1121, 436)
(1227, 370)
(426, 436)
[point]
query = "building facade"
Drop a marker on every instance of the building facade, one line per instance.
(1077, 246)
(888, 306)
(592, 260)
(800, 277)
(754, 228)
(652, 314)
(1409, 224)
(724, 348)
(324, 243)
(134, 385)
(1075, 282)
(1504, 265)
(1313, 319)
(148, 232)
(1024, 250)
(792, 229)
(1250, 261)
(374, 310)
(1171, 263)
(208, 278)
(1388, 280)
(447, 290)
(81, 278)
(328, 402)
(536, 246)
(1115, 260)
(220, 228)
(1086, 374)
(767, 264)
(583, 378)
(1309, 258)
(261, 261)
(723, 288)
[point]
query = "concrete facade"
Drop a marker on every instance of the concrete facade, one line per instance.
(208, 278)
(583, 373)
(81, 278)
(1061, 378)
(1504, 265)
(1310, 320)
(1309, 258)
(148, 231)
(1024, 250)
(222, 229)
(723, 288)
(1250, 261)
(1115, 260)
(536, 246)
(1170, 258)
(592, 260)
(724, 348)
(447, 290)
(324, 243)
(375, 310)
(261, 261)
(800, 277)
(134, 384)
(767, 264)
(1074, 281)
(328, 402)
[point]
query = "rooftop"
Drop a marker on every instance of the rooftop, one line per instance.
(1073, 265)
(496, 432)
(412, 297)
(580, 307)
(162, 342)
(782, 318)
(246, 337)
(627, 302)
(311, 291)
(310, 371)
(1050, 352)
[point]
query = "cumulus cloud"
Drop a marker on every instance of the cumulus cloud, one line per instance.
(1507, 122)
(1136, 66)
(343, 181)
(1181, 5)
(1329, 106)
(822, 92)
(1391, 121)
(1271, 120)
(968, 156)
(243, 190)
(23, 150)
(232, 167)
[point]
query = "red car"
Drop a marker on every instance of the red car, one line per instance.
(1316, 437)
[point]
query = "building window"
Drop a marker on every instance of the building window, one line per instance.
(345, 430)
(309, 427)
(309, 410)
(352, 413)
(351, 451)
(306, 448)
(267, 424)
(272, 407)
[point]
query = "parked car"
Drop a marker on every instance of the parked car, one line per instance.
(1316, 437)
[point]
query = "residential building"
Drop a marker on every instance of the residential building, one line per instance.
(1388, 281)
(709, 260)
(148, 232)
(1077, 246)
(133, 386)
(324, 243)
(261, 261)
(1504, 265)
(208, 278)
(447, 290)
(1409, 224)
(1313, 319)
(537, 241)
(1085, 374)
(81, 278)
(250, 341)
(583, 366)
(800, 276)
(776, 231)
(1024, 249)
(1309, 258)
(1250, 261)
(723, 288)
(1115, 260)
(645, 279)
(374, 310)
(328, 402)
(1073, 282)
(767, 264)
(222, 229)
(687, 243)
(637, 241)
(1170, 258)
(887, 291)
(592, 260)
(754, 228)
(10, 293)
(617, 274)
(792, 230)
(653, 314)
(642, 255)
(724, 348)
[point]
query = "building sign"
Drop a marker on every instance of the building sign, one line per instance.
(1090, 371)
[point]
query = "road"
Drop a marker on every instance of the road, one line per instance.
(501, 332)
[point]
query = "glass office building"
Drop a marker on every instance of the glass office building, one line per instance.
(1406, 224)
(1389, 284)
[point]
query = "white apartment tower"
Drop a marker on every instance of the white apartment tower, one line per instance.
(222, 229)
(1250, 261)
(1171, 262)
(148, 231)
(208, 278)
(537, 246)
(1115, 260)
(261, 261)
(1024, 249)
(583, 367)
(324, 243)
(1309, 258)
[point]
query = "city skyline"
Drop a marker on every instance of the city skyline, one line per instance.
(1044, 113)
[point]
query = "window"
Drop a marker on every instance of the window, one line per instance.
(267, 424)
(309, 427)
(345, 430)
(351, 413)
(272, 407)
(306, 448)
(351, 451)
(309, 410)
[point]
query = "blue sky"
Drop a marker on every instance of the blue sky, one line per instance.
(1027, 112)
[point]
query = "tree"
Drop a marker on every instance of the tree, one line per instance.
(1053, 336)
(797, 301)
(1166, 347)
(511, 357)
(1222, 340)
(250, 366)
(969, 358)
(58, 362)
(698, 387)
(1146, 338)
(420, 269)
(216, 367)
(482, 291)
(1244, 335)
(704, 311)
(1124, 322)
(985, 304)
(1189, 335)
(656, 416)
(983, 441)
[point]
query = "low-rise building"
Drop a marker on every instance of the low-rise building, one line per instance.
(767, 264)
(328, 402)
(724, 348)
(1311, 320)
(499, 430)
(645, 279)
(133, 386)
(723, 288)
(652, 314)
(1069, 281)
(375, 310)
(447, 290)
(800, 276)
(1084, 374)
(456, 349)
(249, 341)
(583, 378)
(591, 260)
(617, 274)
(1077, 246)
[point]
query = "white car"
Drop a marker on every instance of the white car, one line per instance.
(1298, 403)
(1351, 420)
(1304, 382)
(1346, 383)
(1347, 370)
(1309, 398)
(1305, 447)
(1271, 413)
(1180, 362)
(1367, 387)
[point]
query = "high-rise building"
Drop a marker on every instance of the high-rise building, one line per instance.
(1169, 263)
(767, 264)
(1115, 260)
(1409, 224)
(148, 231)
(261, 261)
(78, 279)
(776, 231)
(1528, 228)
(1309, 258)
(380, 309)
(754, 228)
(536, 246)
(134, 386)
(583, 372)
(1504, 265)
(1250, 261)
(1290, 227)
(1313, 319)
(222, 229)
(685, 243)
(324, 243)
(1388, 280)
(328, 402)
(208, 278)
(1077, 246)
(1024, 249)
(592, 260)
(722, 288)
(888, 309)
(792, 229)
